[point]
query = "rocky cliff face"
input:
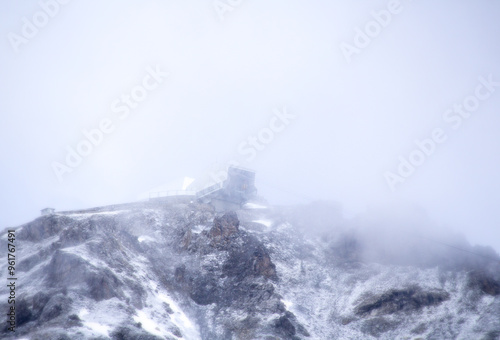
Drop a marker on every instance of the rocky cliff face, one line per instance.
(181, 271)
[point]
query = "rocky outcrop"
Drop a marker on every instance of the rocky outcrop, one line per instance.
(43, 227)
(377, 326)
(245, 258)
(224, 227)
(132, 333)
(285, 326)
(409, 299)
(242, 280)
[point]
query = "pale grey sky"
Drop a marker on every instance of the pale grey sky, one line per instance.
(321, 98)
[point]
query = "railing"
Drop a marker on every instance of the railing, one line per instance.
(169, 193)
(241, 168)
(199, 194)
(210, 189)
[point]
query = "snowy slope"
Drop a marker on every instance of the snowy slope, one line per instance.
(181, 271)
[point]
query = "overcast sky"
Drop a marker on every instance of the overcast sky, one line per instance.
(365, 103)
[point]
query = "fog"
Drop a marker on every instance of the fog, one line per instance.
(367, 104)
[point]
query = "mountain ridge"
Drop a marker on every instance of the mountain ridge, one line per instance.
(158, 270)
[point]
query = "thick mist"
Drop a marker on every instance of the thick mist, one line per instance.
(366, 104)
(400, 234)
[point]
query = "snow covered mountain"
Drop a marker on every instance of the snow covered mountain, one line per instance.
(156, 270)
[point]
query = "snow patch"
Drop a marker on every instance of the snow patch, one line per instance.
(83, 312)
(254, 206)
(267, 223)
(97, 327)
(186, 326)
(145, 238)
(102, 213)
(148, 324)
(288, 304)
(94, 327)
(198, 228)
(153, 317)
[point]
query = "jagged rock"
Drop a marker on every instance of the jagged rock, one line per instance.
(403, 300)
(262, 265)
(285, 326)
(224, 226)
(250, 259)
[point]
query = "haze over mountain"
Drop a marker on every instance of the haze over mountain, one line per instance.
(360, 82)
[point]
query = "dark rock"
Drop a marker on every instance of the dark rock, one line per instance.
(74, 321)
(128, 333)
(180, 273)
(103, 285)
(251, 259)
(232, 283)
(224, 227)
(55, 307)
(29, 262)
(138, 293)
(40, 308)
(346, 320)
(24, 313)
(285, 326)
(57, 335)
(205, 290)
(243, 329)
(79, 233)
(302, 330)
(262, 265)
(377, 326)
(40, 299)
(43, 227)
(493, 335)
(409, 299)
(176, 331)
(419, 329)
(484, 282)
(186, 240)
(167, 308)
